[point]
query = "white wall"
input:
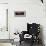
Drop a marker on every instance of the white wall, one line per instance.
(3, 21)
(3, 1)
(3, 34)
(35, 12)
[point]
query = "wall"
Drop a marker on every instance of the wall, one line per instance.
(45, 30)
(3, 34)
(3, 1)
(35, 12)
(3, 21)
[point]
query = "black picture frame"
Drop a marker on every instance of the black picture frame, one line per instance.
(20, 13)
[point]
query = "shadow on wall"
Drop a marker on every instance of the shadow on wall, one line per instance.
(41, 35)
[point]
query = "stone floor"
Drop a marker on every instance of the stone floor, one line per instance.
(5, 44)
(27, 44)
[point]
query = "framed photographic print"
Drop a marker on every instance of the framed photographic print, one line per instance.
(20, 13)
